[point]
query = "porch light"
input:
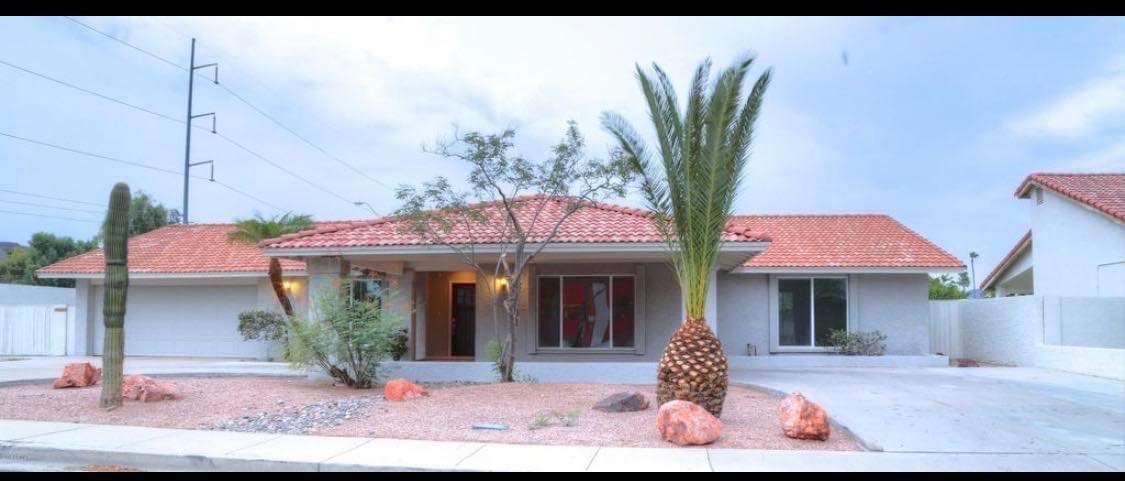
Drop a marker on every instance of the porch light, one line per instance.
(501, 284)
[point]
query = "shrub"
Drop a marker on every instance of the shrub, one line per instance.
(348, 338)
(398, 348)
(261, 325)
(858, 343)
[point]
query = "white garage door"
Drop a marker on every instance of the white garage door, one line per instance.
(183, 321)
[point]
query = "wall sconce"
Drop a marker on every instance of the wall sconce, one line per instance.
(502, 284)
(288, 285)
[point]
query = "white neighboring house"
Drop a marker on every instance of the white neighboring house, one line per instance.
(1076, 244)
(187, 285)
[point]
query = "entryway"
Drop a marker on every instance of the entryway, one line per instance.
(463, 321)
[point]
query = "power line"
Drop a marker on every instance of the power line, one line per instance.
(172, 119)
(34, 204)
(88, 91)
(248, 104)
(52, 198)
(49, 216)
(127, 44)
(137, 164)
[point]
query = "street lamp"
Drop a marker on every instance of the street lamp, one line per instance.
(973, 267)
(365, 204)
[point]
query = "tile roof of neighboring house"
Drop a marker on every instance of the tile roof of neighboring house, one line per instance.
(179, 249)
(855, 240)
(1021, 246)
(1103, 192)
(599, 223)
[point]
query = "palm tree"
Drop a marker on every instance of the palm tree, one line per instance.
(259, 228)
(703, 152)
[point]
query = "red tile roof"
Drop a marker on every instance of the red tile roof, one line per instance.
(856, 240)
(599, 223)
(179, 249)
(1021, 246)
(1103, 192)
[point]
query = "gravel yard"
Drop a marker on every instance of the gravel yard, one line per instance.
(535, 413)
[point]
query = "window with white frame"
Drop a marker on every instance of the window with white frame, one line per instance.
(586, 312)
(367, 286)
(809, 308)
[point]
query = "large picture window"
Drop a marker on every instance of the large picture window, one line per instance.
(580, 312)
(809, 309)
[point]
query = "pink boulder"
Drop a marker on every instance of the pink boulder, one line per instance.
(146, 389)
(78, 374)
(401, 390)
(686, 423)
(803, 419)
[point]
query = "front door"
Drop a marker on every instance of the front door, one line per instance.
(463, 322)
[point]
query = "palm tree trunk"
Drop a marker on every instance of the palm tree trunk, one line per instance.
(278, 287)
(693, 368)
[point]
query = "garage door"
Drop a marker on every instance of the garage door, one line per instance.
(184, 321)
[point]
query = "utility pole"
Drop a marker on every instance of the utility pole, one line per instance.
(187, 143)
(973, 268)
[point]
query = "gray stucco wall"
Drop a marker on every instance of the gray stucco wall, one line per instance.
(895, 304)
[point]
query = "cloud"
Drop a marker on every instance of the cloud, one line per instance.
(1090, 109)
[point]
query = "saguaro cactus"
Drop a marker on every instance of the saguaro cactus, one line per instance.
(116, 287)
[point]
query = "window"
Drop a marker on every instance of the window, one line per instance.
(366, 286)
(581, 312)
(808, 309)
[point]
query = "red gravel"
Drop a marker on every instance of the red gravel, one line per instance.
(750, 417)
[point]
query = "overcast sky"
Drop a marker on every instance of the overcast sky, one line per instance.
(934, 121)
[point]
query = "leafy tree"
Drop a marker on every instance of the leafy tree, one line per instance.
(260, 228)
(43, 249)
(492, 212)
(146, 214)
(944, 287)
(702, 154)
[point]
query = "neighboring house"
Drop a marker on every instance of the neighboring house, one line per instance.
(1076, 244)
(187, 284)
(604, 289)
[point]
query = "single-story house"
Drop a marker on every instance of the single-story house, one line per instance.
(187, 285)
(1076, 244)
(602, 291)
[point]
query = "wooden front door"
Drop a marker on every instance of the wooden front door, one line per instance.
(463, 322)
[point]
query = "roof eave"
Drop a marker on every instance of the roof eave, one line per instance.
(166, 275)
(846, 270)
(749, 247)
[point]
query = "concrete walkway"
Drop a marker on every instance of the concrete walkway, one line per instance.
(30, 443)
(39, 368)
(966, 410)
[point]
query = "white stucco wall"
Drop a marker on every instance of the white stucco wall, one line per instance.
(1077, 251)
(1035, 331)
(27, 295)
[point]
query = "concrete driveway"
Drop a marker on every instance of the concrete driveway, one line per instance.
(22, 368)
(966, 410)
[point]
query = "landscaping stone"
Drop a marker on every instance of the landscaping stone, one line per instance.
(301, 420)
(803, 419)
(491, 426)
(686, 423)
(146, 389)
(967, 363)
(401, 390)
(78, 374)
(622, 402)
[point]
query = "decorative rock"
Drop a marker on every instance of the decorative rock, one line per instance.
(78, 374)
(803, 419)
(686, 423)
(623, 402)
(967, 363)
(490, 426)
(146, 389)
(401, 390)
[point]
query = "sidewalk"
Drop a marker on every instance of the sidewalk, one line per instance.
(25, 442)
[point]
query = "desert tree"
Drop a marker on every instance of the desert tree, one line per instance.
(511, 209)
(259, 228)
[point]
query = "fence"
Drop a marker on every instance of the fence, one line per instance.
(34, 329)
(1077, 334)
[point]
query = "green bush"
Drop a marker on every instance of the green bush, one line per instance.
(398, 349)
(858, 343)
(347, 338)
(261, 325)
